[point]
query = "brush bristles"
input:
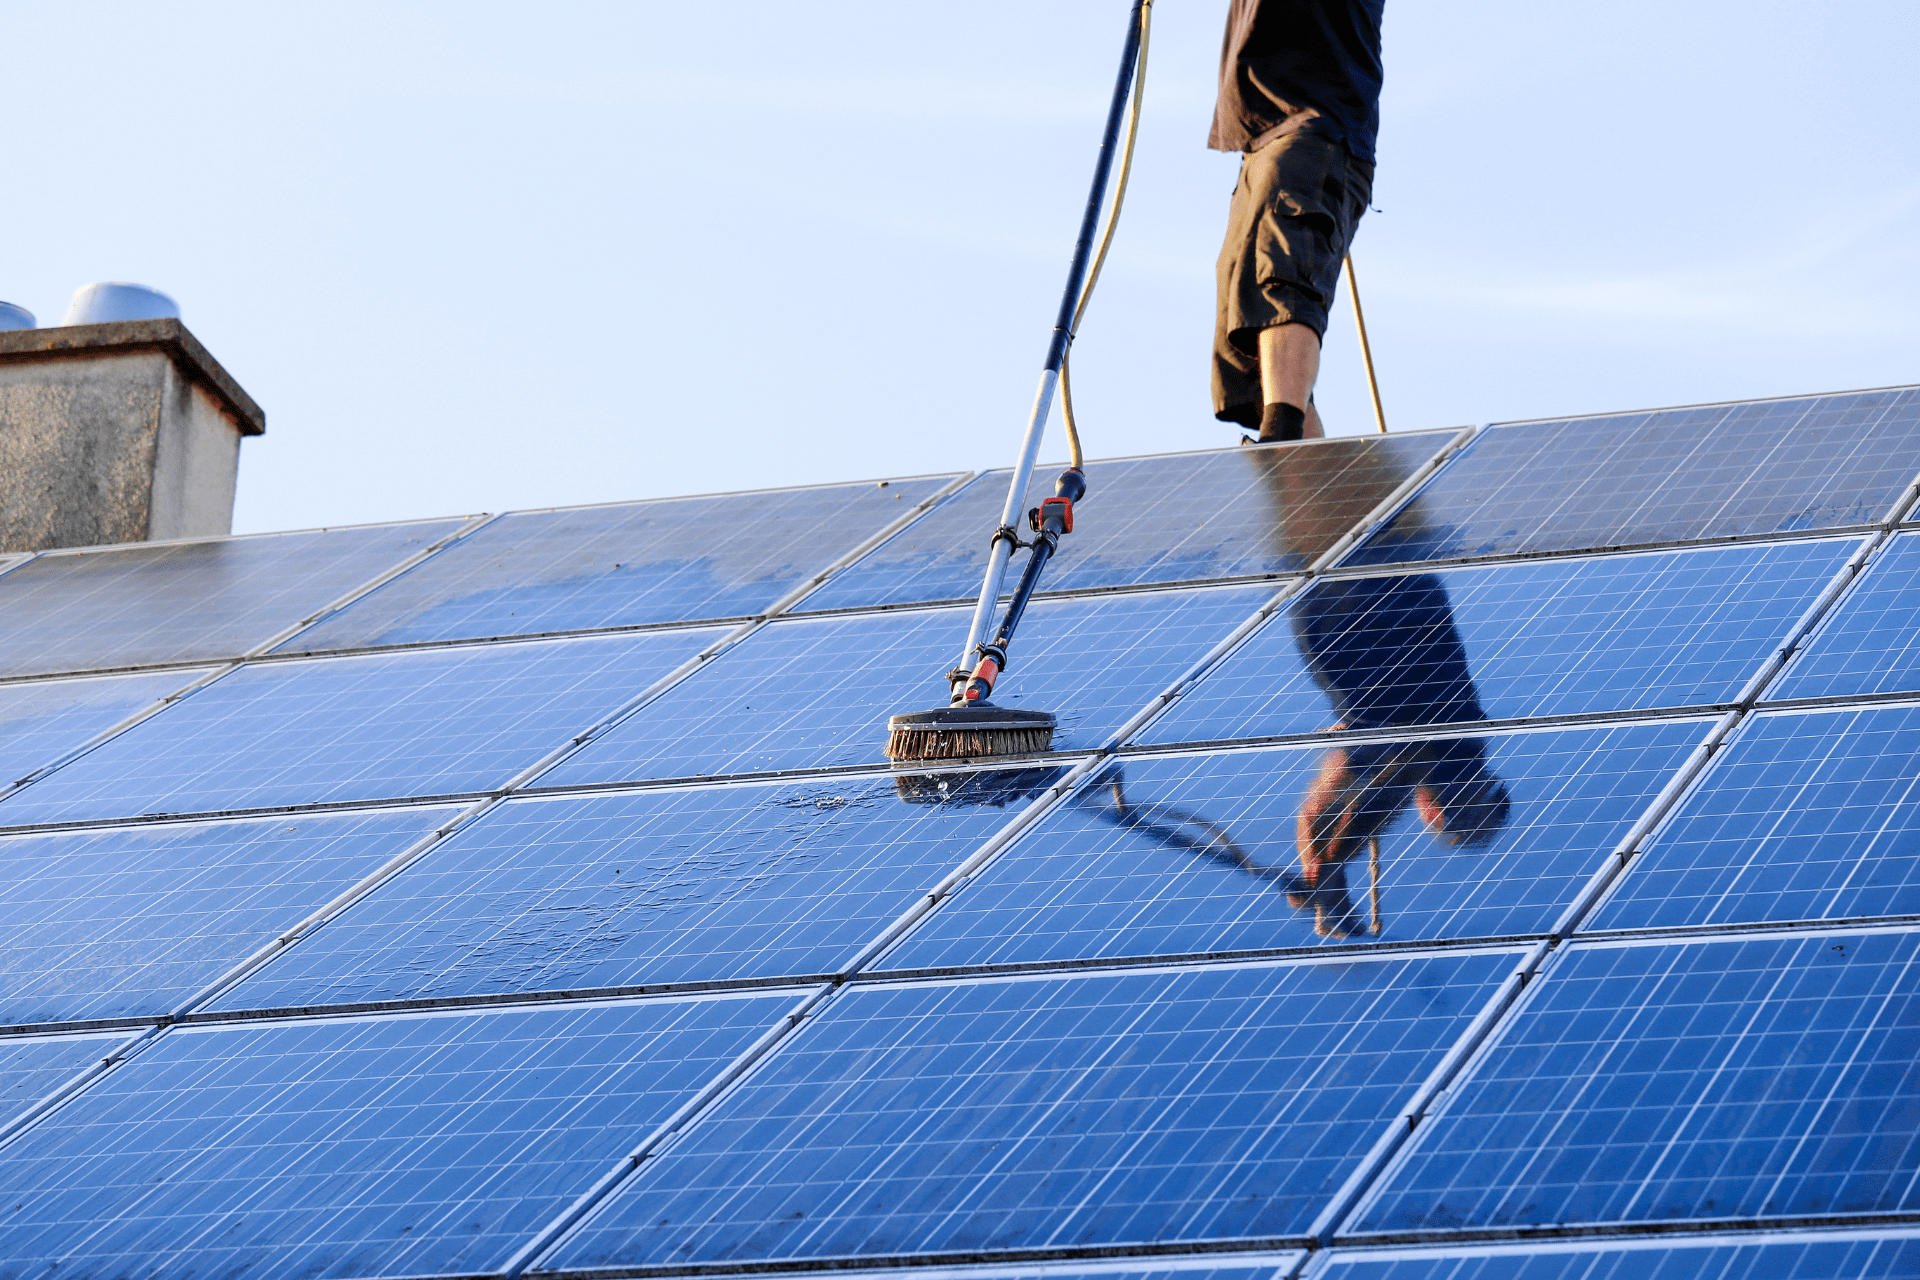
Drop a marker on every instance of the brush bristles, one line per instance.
(964, 744)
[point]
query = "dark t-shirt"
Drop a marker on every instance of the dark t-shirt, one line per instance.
(1299, 64)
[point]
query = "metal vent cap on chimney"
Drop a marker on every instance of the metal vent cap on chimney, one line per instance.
(112, 301)
(13, 316)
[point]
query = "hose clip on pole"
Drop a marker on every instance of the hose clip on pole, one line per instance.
(1051, 519)
(1007, 533)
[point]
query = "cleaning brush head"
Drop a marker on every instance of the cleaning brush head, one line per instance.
(968, 733)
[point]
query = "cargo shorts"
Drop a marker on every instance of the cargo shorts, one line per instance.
(1293, 216)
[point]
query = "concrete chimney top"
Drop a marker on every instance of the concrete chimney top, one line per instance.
(124, 432)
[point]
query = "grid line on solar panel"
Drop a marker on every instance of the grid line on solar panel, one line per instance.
(100, 609)
(818, 1153)
(394, 1145)
(668, 560)
(1766, 1081)
(1519, 640)
(1211, 515)
(1802, 1255)
(1835, 461)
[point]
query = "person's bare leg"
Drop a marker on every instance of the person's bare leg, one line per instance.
(1289, 364)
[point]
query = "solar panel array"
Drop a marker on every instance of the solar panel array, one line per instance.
(1465, 854)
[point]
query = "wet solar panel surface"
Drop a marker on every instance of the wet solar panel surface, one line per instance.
(674, 560)
(457, 947)
(1542, 638)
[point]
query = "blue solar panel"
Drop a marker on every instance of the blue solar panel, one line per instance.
(1557, 637)
(1712, 471)
(32, 1067)
(813, 692)
(1172, 518)
(1185, 1105)
(1803, 1258)
(1803, 817)
(1871, 644)
(407, 1145)
(1707, 1080)
(430, 722)
(665, 886)
(131, 921)
(674, 560)
(1193, 854)
(188, 601)
(43, 720)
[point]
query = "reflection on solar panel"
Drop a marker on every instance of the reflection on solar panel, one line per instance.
(1539, 638)
(1713, 471)
(1551, 915)
(644, 562)
(188, 601)
(1184, 517)
(1193, 854)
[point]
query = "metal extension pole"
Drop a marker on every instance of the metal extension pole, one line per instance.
(1366, 350)
(1002, 549)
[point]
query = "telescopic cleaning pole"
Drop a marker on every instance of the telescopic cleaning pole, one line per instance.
(1005, 537)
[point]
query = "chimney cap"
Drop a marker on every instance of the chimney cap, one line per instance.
(84, 341)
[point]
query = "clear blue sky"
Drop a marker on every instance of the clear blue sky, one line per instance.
(476, 256)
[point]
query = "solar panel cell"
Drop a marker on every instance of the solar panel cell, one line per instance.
(666, 886)
(427, 722)
(1559, 637)
(1205, 853)
(674, 560)
(1715, 1080)
(1209, 1104)
(413, 1145)
(1172, 518)
(131, 921)
(1713, 471)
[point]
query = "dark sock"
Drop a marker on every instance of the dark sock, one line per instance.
(1282, 422)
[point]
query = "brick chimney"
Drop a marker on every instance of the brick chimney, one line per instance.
(123, 432)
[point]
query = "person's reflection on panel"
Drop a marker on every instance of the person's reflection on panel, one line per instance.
(1387, 654)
